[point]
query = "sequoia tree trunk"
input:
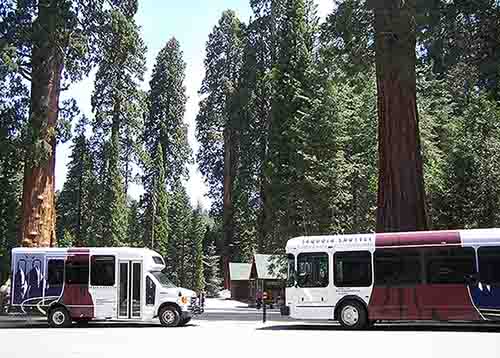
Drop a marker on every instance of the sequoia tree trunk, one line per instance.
(227, 214)
(401, 197)
(38, 202)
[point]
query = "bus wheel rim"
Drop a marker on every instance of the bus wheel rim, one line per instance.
(58, 318)
(350, 315)
(169, 317)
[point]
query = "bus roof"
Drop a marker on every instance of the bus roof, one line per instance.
(119, 251)
(473, 237)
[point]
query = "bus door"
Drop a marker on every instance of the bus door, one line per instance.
(312, 292)
(291, 282)
(103, 285)
(130, 289)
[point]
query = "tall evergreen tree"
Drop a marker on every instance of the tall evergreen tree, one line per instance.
(292, 109)
(116, 102)
(196, 236)
(165, 117)
(75, 205)
(218, 156)
(178, 248)
(213, 281)
(401, 196)
(50, 43)
(14, 102)
(156, 200)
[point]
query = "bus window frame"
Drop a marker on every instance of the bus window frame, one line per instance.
(371, 272)
(297, 268)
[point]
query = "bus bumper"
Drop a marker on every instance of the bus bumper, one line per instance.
(197, 305)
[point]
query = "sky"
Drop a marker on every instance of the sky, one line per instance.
(190, 22)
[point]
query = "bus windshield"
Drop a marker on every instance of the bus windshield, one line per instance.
(163, 279)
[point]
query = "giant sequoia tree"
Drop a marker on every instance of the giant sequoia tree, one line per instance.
(214, 126)
(401, 197)
(50, 42)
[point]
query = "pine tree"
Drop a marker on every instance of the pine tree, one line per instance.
(292, 109)
(74, 203)
(14, 102)
(165, 117)
(213, 281)
(156, 199)
(215, 129)
(178, 248)
(117, 103)
(196, 236)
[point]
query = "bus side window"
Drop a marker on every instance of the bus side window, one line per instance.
(353, 269)
(77, 271)
(312, 270)
(397, 267)
(55, 272)
(489, 265)
(450, 265)
(150, 291)
(102, 270)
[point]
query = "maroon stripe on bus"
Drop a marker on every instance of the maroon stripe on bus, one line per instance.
(77, 298)
(417, 238)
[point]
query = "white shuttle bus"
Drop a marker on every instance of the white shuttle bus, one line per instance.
(83, 284)
(439, 276)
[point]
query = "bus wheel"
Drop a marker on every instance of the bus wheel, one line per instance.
(59, 318)
(169, 317)
(352, 315)
(184, 321)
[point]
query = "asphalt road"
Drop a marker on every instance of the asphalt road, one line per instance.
(239, 332)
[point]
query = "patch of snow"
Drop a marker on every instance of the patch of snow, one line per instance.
(225, 294)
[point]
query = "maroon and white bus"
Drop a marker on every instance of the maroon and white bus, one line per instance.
(106, 283)
(409, 276)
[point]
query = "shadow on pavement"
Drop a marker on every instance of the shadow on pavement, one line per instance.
(91, 325)
(481, 328)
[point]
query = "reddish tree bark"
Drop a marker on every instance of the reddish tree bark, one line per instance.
(38, 202)
(401, 197)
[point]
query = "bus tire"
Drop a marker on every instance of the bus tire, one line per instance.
(169, 316)
(59, 318)
(184, 321)
(352, 315)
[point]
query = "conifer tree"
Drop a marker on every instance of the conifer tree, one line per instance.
(156, 212)
(178, 248)
(215, 128)
(196, 236)
(165, 116)
(116, 102)
(213, 281)
(75, 204)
